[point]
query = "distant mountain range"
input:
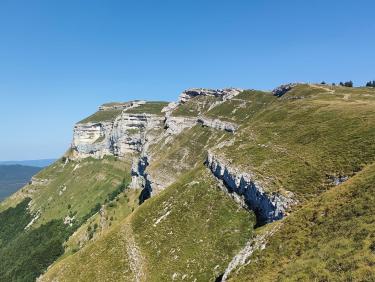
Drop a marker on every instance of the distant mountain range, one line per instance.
(36, 163)
(16, 174)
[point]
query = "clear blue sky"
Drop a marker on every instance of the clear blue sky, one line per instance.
(59, 60)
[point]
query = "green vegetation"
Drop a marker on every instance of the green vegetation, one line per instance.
(99, 116)
(243, 107)
(330, 239)
(104, 259)
(27, 255)
(13, 221)
(112, 213)
(346, 84)
(148, 108)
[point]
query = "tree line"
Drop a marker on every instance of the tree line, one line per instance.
(350, 83)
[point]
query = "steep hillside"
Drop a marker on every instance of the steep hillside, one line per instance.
(223, 184)
(190, 230)
(329, 239)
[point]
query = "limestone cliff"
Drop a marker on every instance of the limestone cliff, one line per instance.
(125, 134)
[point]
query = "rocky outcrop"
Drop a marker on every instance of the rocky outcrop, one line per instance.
(167, 110)
(91, 139)
(268, 207)
(38, 181)
(120, 106)
(257, 243)
(217, 124)
(224, 94)
(175, 125)
(283, 89)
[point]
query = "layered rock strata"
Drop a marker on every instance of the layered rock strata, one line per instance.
(268, 207)
(126, 134)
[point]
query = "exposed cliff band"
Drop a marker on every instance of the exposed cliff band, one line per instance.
(217, 124)
(267, 207)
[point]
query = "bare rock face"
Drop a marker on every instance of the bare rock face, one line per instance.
(91, 139)
(268, 207)
(130, 132)
(126, 134)
(224, 94)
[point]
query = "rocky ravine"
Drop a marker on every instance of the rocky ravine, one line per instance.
(268, 207)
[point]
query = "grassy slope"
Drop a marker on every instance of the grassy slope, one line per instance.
(149, 108)
(75, 188)
(195, 106)
(99, 116)
(103, 260)
(191, 229)
(295, 144)
(242, 107)
(330, 239)
(112, 213)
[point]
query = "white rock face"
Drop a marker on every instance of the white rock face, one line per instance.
(224, 94)
(217, 124)
(267, 207)
(127, 133)
(91, 139)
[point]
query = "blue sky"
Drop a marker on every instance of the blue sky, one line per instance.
(59, 60)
